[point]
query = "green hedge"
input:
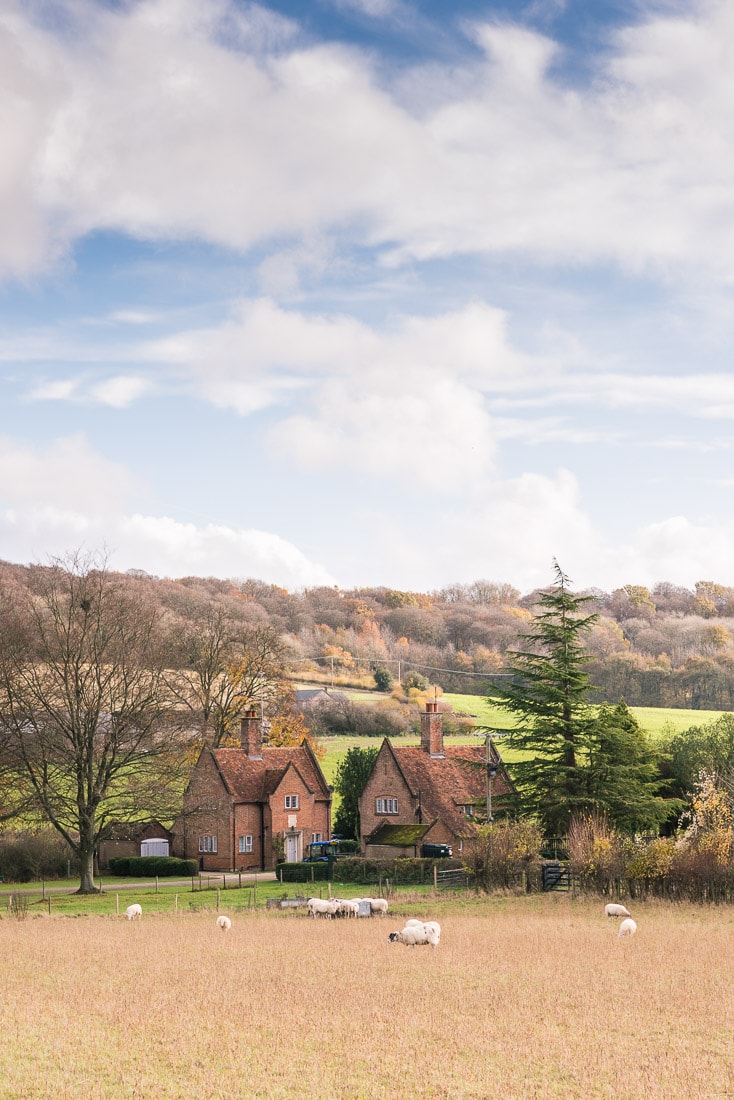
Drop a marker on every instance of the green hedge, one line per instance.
(150, 866)
(304, 872)
(406, 872)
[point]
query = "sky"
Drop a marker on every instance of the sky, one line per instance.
(369, 292)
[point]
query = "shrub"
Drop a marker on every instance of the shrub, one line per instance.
(501, 853)
(304, 872)
(43, 854)
(150, 866)
(383, 679)
(595, 851)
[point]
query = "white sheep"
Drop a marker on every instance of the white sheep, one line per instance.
(418, 934)
(627, 927)
(613, 910)
(349, 908)
(378, 905)
(320, 907)
(133, 912)
(224, 923)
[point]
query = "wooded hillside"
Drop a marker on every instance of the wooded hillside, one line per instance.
(664, 647)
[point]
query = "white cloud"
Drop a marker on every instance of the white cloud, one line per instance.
(148, 120)
(66, 474)
(56, 498)
(119, 392)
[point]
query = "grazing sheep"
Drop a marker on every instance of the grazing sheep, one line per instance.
(627, 927)
(418, 934)
(224, 923)
(378, 905)
(133, 912)
(613, 910)
(319, 907)
(349, 908)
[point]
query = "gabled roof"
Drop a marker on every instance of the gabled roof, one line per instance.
(446, 783)
(249, 780)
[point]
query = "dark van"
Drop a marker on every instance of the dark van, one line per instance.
(436, 851)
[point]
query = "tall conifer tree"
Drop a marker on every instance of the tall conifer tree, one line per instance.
(547, 693)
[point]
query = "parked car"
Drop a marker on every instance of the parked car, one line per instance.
(321, 851)
(436, 851)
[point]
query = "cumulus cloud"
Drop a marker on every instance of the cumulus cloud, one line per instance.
(149, 119)
(58, 497)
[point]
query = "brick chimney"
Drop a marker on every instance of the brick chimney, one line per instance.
(432, 730)
(251, 735)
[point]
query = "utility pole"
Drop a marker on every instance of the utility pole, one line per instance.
(491, 773)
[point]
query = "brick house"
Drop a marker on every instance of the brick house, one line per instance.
(247, 808)
(427, 793)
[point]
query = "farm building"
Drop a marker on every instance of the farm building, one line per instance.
(246, 808)
(428, 793)
(134, 838)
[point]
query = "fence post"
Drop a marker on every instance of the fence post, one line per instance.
(117, 904)
(435, 879)
(156, 884)
(175, 903)
(240, 880)
(217, 899)
(49, 906)
(224, 881)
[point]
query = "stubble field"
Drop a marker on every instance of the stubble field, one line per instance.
(530, 997)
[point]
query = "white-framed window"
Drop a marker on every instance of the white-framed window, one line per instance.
(386, 805)
(468, 810)
(244, 844)
(207, 843)
(291, 802)
(316, 837)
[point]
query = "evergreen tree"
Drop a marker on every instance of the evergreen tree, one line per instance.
(351, 776)
(547, 693)
(624, 778)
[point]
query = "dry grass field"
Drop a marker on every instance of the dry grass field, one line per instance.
(529, 997)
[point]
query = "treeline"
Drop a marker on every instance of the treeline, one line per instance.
(665, 646)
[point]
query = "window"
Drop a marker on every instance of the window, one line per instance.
(316, 838)
(207, 844)
(468, 810)
(386, 805)
(291, 802)
(244, 844)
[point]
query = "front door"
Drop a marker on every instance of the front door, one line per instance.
(291, 849)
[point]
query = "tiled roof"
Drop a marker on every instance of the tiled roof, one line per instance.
(447, 783)
(254, 780)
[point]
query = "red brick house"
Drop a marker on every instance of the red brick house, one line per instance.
(430, 791)
(247, 808)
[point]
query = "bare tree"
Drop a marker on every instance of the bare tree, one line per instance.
(83, 703)
(224, 667)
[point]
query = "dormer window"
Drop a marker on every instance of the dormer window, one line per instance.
(291, 802)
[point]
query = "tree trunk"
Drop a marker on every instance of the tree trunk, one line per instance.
(86, 859)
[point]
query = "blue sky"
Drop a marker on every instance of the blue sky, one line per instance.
(366, 292)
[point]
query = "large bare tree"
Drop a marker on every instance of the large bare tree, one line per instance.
(224, 667)
(84, 710)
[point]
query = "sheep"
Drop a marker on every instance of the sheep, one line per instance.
(321, 907)
(613, 910)
(378, 905)
(133, 912)
(349, 908)
(418, 934)
(224, 923)
(627, 928)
